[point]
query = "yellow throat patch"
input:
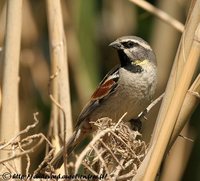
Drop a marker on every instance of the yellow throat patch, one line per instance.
(140, 62)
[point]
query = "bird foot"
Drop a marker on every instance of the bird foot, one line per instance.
(136, 124)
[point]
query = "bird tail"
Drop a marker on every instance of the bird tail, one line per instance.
(73, 141)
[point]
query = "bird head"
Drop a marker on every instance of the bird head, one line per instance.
(133, 51)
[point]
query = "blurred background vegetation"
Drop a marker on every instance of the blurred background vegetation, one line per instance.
(90, 26)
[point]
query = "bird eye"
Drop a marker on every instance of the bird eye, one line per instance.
(129, 44)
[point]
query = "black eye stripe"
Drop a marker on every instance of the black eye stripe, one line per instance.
(129, 44)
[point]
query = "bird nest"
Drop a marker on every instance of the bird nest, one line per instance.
(115, 152)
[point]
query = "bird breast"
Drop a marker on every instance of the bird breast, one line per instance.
(133, 94)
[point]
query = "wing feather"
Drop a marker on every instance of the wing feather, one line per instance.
(104, 90)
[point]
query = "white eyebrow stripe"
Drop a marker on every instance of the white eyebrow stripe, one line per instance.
(142, 44)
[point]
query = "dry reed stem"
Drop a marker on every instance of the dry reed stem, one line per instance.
(53, 131)
(58, 54)
(191, 101)
(180, 59)
(181, 56)
(53, 90)
(177, 100)
(160, 14)
(9, 123)
(0, 98)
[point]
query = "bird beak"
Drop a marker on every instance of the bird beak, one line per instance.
(116, 45)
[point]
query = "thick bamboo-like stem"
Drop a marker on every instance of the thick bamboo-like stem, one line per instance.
(0, 98)
(170, 118)
(53, 90)
(191, 101)
(58, 54)
(9, 124)
(177, 157)
(60, 67)
(181, 57)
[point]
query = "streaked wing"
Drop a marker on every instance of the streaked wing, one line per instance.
(106, 87)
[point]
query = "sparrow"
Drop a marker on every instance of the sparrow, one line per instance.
(127, 88)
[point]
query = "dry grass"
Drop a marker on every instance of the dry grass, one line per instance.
(116, 150)
(16, 148)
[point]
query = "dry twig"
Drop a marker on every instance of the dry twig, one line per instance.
(22, 132)
(160, 14)
(22, 144)
(114, 151)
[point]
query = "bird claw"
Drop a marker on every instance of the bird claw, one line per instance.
(136, 124)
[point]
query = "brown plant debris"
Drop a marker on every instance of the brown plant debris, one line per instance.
(115, 151)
